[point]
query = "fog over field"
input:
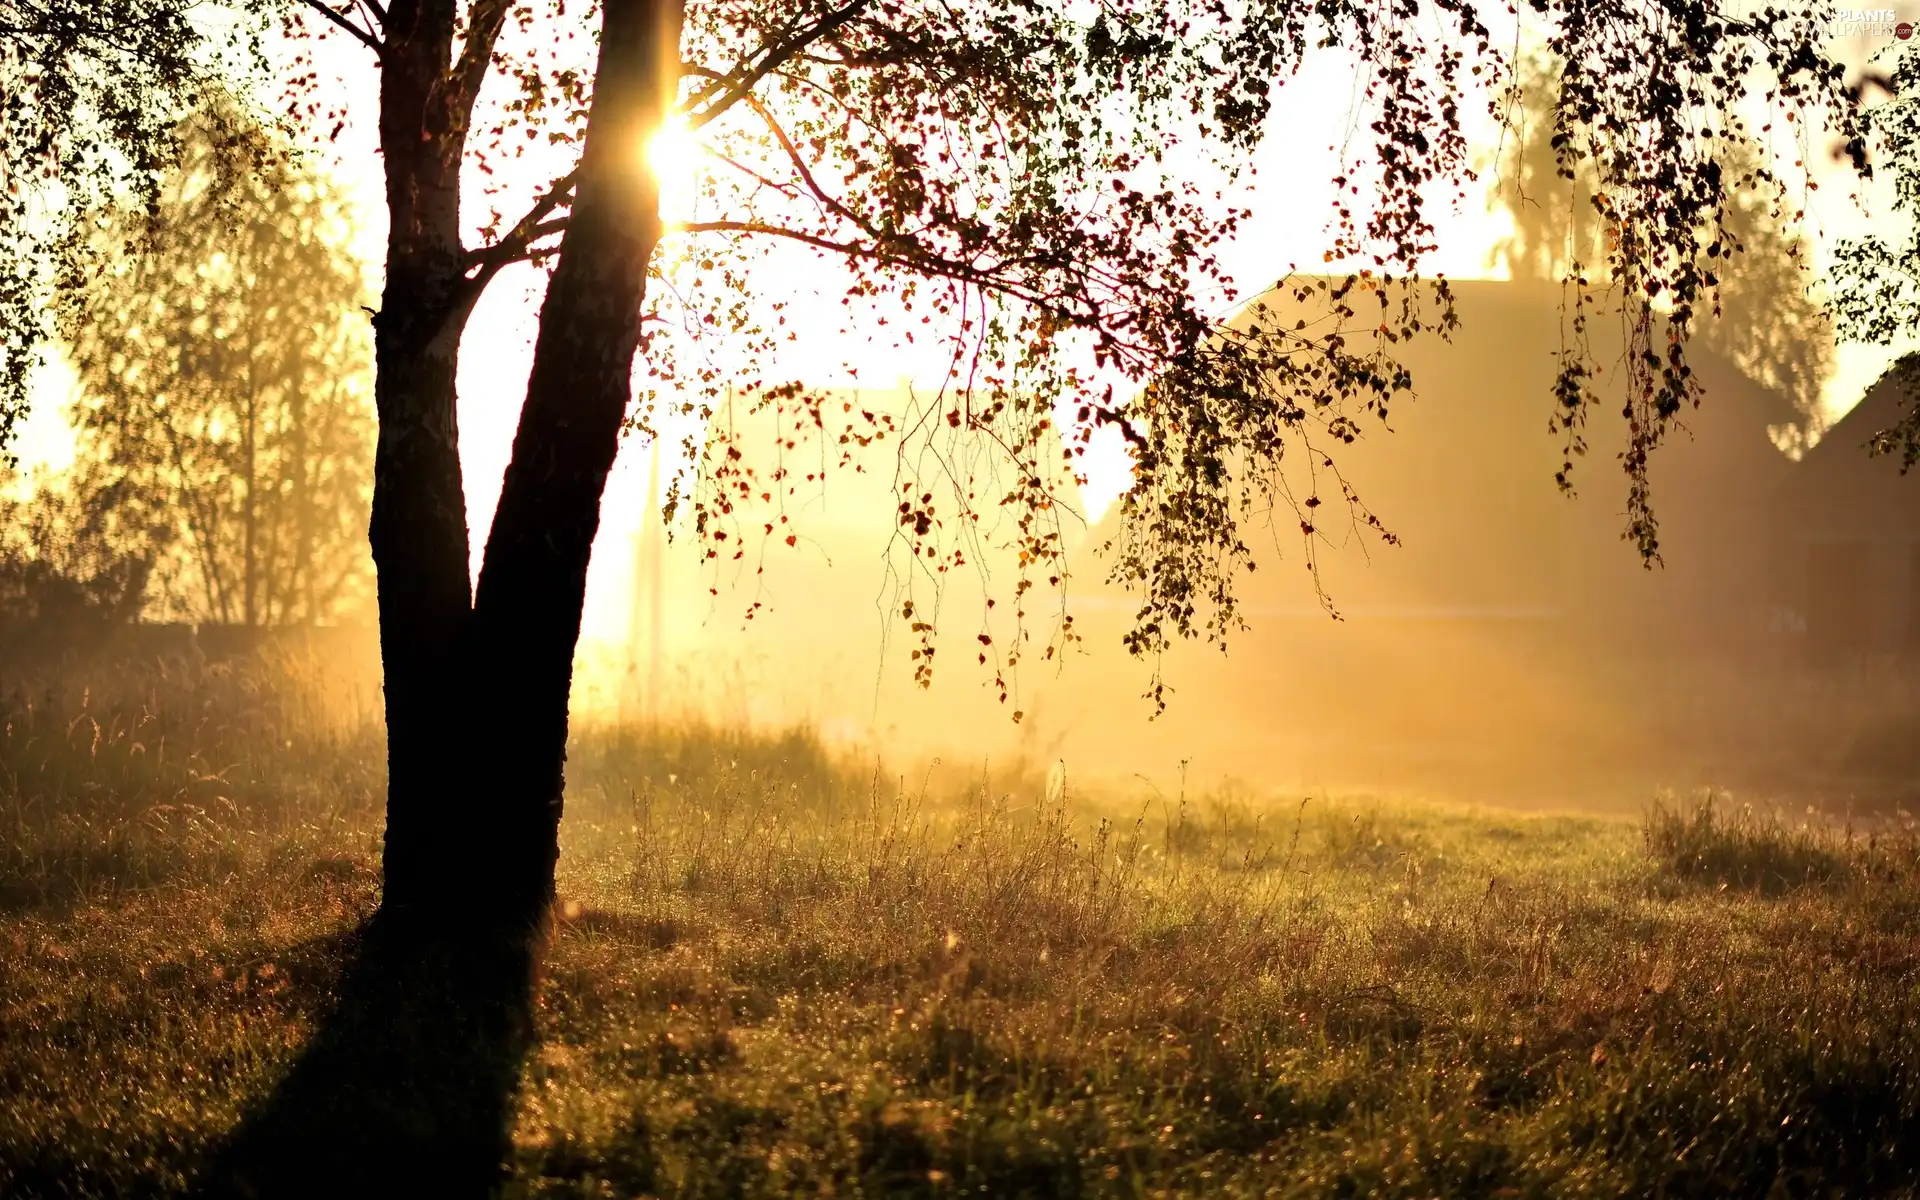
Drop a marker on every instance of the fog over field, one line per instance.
(1509, 645)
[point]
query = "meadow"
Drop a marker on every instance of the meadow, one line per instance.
(776, 970)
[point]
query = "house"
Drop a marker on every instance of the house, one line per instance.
(1846, 542)
(1463, 473)
(1511, 637)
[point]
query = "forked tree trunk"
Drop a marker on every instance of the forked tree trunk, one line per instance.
(533, 579)
(477, 687)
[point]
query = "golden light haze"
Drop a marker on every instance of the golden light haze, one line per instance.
(822, 653)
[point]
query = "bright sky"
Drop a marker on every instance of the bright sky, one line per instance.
(1291, 196)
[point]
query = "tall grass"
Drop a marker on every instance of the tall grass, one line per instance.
(774, 989)
(1714, 841)
(172, 770)
(778, 971)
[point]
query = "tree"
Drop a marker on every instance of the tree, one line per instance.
(90, 95)
(1762, 317)
(1876, 280)
(223, 361)
(1001, 170)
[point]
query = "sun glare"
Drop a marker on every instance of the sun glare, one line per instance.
(673, 155)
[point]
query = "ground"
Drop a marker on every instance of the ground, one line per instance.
(778, 972)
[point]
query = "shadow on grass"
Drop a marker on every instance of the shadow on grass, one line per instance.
(408, 1086)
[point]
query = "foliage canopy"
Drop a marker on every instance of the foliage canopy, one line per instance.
(224, 416)
(1017, 177)
(91, 94)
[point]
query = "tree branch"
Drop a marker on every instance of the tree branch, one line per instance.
(925, 263)
(476, 55)
(746, 79)
(372, 43)
(800, 167)
(522, 250)
(515, 246)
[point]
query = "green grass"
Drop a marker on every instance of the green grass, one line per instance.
(777, 973)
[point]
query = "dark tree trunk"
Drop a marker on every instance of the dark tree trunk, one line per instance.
(477, 686)
(419, 528)
(417, 1064)
(419, 540)
(533, 580)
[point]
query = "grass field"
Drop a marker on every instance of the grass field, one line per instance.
(777, 973)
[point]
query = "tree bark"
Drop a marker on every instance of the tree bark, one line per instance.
(418, 532)
(533, 579)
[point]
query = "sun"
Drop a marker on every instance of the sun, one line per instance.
(675, 157)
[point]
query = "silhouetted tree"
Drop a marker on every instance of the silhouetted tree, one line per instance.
(225, 369)
(1557, 220)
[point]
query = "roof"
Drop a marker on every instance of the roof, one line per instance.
(1464, 472)
(1841, 491)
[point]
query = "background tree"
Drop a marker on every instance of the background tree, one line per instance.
(1877, 279)
(224, 370)
(1762, 317)
(91, 93)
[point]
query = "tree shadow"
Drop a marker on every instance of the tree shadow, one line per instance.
(408, 1086)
